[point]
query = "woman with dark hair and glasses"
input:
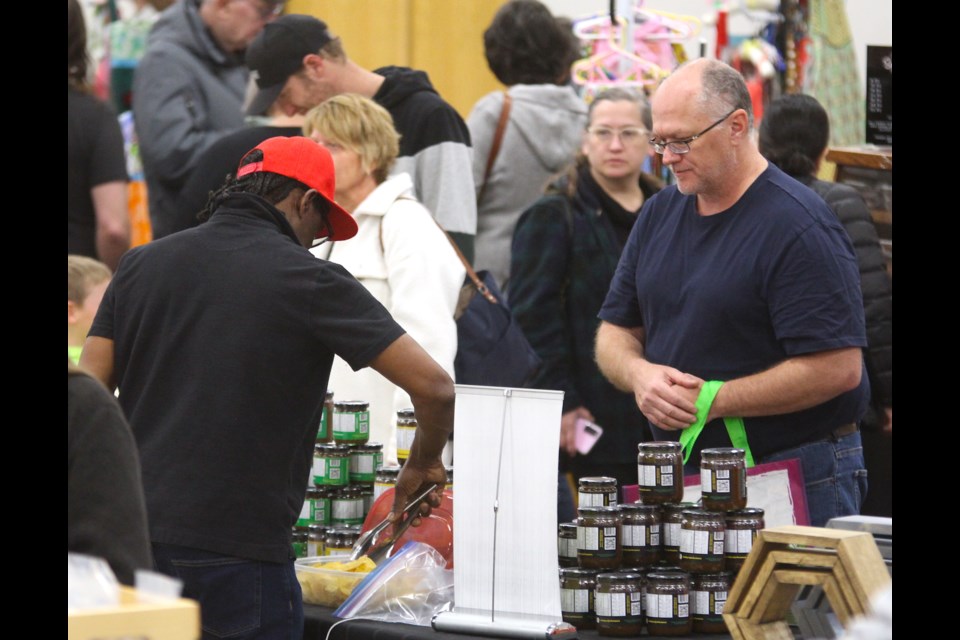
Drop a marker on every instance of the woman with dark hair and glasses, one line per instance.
(565, 250)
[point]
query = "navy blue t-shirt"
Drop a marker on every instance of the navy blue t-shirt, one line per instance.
(735, 293)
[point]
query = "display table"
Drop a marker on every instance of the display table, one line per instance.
(318, 620)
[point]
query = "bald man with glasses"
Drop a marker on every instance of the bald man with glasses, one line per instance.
(735, 316)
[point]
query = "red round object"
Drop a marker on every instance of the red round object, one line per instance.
(435, 529)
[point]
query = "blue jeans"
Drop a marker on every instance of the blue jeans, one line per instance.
(834, 475)
(239, 599)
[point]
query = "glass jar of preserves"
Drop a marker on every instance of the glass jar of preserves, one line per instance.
(406, 429)
(708, 596)
(743, 527)
(723, 479)
(325, 432)
(340, 540)
(567, 544)
(386, 479)
(640, 534)
(364, 461)
(366, 495)
(331, 465)
(316, 540)
(599, 491)
(299, 541)
(671, 514)
(660, 472)
(598, 538)
(619, 604)
(668, 603)
(701, 541)
(346, 507)
(351, 422)
(320, 502)
(577, 597)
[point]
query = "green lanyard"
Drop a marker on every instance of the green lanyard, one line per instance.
(735, 428)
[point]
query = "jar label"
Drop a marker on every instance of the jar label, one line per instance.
(668, 607)
(638, 535)
(656, 475)
(300, 549)
(351, 426)
(739, 541)
(363, 466)
(405, 440)
(597, 542)
(620, 605)
(708, 604)
(321, 511)
(331, 471)
(715, 481)
(671, 534)
(567, 547)
(347, 510)
(597, 499)
(701, 543)
(575, 600)
(322, 432)
(304, 519)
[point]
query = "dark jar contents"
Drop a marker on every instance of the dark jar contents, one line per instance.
(340, 540)
(331, 465)
(406, 429)
(671, 515)
(316, 540)
(577, 597)
(723, 479)
(660, 472)
(599, 491)
(364, 461)
(708, 595)
(325, 432)
(668, 603)
(619, 604)
(346, 507)
(351, 422)
(701, 541)
(598, 538)
(299, 541)
(640, 531)
(743, 527)
(567, 544)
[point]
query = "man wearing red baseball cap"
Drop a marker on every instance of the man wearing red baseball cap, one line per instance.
(220, 339)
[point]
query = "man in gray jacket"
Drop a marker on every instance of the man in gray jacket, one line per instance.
(188, 90)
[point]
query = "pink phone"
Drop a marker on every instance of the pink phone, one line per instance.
(587, 435)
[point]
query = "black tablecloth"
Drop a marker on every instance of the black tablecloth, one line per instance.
(318, 620)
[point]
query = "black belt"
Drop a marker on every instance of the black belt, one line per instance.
(844, 430)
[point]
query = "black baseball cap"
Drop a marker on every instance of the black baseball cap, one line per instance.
(277, 53)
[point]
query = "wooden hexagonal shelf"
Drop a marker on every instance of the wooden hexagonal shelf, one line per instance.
(846, 564)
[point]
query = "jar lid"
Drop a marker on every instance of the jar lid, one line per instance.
(405, 413)
(389, 470)
(669, 576)
(723, 452)
(351, 406)
(702, 513)
(610, 510)
(349, 491)
(676, 507)
(619, 577)
(597, 480)
(660, 445)
(578, 573)
(371, 447)
(717, 575)
(567, 526)
(330, 448)
(317, 528)
(639, 507)
(746, 512)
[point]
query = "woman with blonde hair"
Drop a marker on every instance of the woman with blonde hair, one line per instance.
(399, 254)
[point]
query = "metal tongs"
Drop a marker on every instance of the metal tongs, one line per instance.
(369, 544)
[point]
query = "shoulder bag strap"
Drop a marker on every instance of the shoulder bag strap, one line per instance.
(497, 139)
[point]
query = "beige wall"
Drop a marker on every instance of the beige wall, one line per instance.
(442, 37)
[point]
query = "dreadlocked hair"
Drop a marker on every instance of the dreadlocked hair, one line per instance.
(272, 187)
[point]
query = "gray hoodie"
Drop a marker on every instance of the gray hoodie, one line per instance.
(542, 136)
(187, 93)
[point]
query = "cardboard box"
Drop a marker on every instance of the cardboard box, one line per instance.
(158, 620)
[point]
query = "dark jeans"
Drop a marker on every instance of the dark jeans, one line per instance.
(834, 475)
(239, 599)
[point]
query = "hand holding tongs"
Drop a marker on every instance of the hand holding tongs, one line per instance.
(369, 544)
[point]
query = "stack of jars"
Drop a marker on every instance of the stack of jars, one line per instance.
(340, 492)
(659, 562)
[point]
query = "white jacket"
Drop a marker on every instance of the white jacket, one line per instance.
(416, 275)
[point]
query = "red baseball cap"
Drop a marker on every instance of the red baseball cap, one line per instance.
(303, 159)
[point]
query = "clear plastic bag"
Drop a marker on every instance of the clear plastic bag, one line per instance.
(411, 587)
